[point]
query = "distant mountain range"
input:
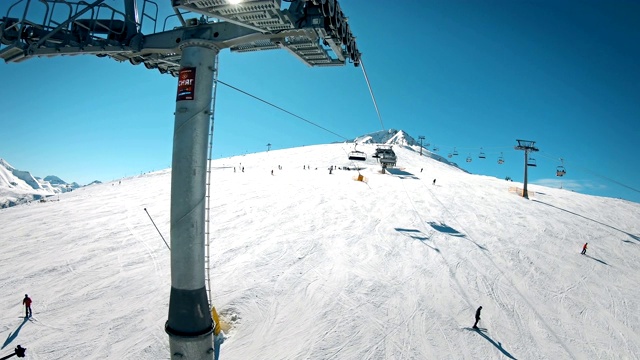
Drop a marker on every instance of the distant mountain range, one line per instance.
(18, 186)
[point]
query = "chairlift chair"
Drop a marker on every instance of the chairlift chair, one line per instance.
(560, 171)
(455, 152)
(482, 155)
(531, 162)
(500, 159)
(469, 159)
(436, 149)
(357, 156)
(450, 155)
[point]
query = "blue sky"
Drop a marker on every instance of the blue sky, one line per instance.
(464, 74)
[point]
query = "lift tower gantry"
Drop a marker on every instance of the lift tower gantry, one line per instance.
(314, 31)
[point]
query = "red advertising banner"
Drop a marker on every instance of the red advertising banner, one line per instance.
(186, 84)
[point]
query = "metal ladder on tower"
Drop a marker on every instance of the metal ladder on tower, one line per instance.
(207, 220)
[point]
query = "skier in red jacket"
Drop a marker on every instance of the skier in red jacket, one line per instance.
(584, 249)
(27, 305)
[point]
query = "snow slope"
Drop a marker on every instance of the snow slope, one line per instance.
(309, 265)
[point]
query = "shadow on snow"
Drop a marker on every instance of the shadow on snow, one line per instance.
(498, 344)
(446, 229)
(14, 334)
(634, 237)
(417, 235)
(402, 174)
(598, 260)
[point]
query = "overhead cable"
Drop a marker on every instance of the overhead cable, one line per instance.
(547, 155)
(281, 109)
(375, 103)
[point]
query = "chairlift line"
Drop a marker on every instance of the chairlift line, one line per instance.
(375, 103)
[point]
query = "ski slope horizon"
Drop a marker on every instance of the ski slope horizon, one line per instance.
(312, 265)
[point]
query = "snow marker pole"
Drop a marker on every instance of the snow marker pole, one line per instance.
(154, 224)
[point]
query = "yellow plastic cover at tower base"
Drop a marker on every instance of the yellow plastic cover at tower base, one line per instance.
(216, 321)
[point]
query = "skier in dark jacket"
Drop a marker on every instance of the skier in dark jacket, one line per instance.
(27, 306)
(475, 326)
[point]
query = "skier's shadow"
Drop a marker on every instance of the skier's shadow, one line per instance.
(14, 334)
(498, 345)
(598, 260)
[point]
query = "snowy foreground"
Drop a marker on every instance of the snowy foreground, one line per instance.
(309, 265)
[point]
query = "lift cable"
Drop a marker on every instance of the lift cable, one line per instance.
(375, 103)
(573, 165)
(288, 112)
(281, 109)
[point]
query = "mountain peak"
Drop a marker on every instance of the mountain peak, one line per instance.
(387, 137)
(6, 165)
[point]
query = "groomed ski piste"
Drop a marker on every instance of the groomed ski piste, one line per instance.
(312, 265)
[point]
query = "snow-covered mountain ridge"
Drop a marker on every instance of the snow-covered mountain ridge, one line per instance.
(17, 186)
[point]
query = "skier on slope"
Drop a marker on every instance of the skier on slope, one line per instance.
(584, 249)
(475, 325)
(27, 306)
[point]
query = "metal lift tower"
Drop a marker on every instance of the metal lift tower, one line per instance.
(527, 146)
(314, 31)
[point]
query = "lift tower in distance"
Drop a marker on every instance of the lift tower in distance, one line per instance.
(527, 146)
(314, 31)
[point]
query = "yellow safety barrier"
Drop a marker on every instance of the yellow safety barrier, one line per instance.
(520, 191)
